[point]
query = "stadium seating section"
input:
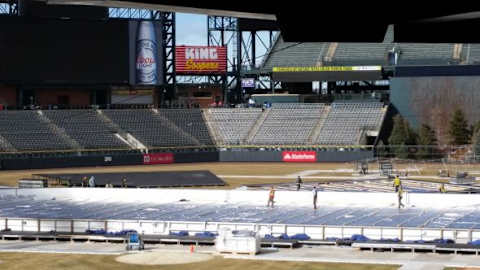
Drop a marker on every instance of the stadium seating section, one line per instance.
(290, 124)
(233, 125)
(282, 124)
(86, 127)
(292, 54)
(346, 121)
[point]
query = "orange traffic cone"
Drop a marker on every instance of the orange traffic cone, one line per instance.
(192, 248)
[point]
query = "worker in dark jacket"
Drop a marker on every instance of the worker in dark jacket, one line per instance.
(84, 182)
(400, 196)
(299, 182)
(315, 192)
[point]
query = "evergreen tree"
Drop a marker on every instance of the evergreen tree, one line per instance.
(398, 135)
(476, 128)
(476, 144)
(427, 140)
(402, 136)
(458, 129)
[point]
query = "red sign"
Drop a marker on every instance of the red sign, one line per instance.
(201, 59)
(158, 158)
(299, 156)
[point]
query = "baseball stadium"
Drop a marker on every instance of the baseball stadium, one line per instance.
(261, 148)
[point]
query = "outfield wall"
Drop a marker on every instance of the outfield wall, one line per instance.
(21, 163)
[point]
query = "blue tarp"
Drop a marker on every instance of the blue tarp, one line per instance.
(99, 231)
(180, 233)
(103, 232)
(476, 242)
(269, 236)
(284, 236)
(390, 239)
(300, 236)
(444, 241)
(206, 234)
(134, 238)
(359, 238)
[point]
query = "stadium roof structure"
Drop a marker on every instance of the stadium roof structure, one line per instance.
(335, 21)
(317, 54)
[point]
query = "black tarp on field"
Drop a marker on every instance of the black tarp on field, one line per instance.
(143, 179)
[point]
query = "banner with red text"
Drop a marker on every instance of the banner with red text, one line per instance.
(299, 156)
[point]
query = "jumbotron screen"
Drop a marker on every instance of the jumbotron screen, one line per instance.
(64, 51)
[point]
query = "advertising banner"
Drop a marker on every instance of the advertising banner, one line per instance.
(146, 53)
(299, 156)
(201, 59)
(158, 158)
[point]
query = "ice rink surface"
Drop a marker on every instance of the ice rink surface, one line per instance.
(31, 207)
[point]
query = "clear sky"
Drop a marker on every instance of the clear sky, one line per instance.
(191, 29)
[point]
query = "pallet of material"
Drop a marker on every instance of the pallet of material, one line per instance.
(317, 242)
(237, 253)
(279, 242)
(394, 246)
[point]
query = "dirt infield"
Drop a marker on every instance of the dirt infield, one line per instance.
(163, 257)
(9, 178)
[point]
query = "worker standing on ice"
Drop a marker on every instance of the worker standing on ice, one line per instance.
(91, 181)
(396, 183)
(400, 196)
(84, 182)
(442, 189)
(315, 192)
(271, 197)
(299, 182)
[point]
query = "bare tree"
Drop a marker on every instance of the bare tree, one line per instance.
(433, 101)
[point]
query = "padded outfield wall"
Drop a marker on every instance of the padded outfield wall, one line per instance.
(182, 157)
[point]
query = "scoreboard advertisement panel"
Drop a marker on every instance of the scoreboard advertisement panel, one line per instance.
(201, 59)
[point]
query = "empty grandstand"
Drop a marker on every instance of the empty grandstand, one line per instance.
(232, 125)
(307, 54)
(152, 128)
(27, 131)
(86, 127)
(347, 122)
(283, 124)
(289, 124)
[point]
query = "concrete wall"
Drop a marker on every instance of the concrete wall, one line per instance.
(250, 156)
(276, 156)
(65, 162)
(179, 157)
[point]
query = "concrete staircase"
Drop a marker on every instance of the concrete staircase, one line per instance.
(457, 51)
(318, 128)
(59, 131)
(176, 128)
(330, 52)
(207, 117)
(121, 134)
(6, 145)
(257, 126)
